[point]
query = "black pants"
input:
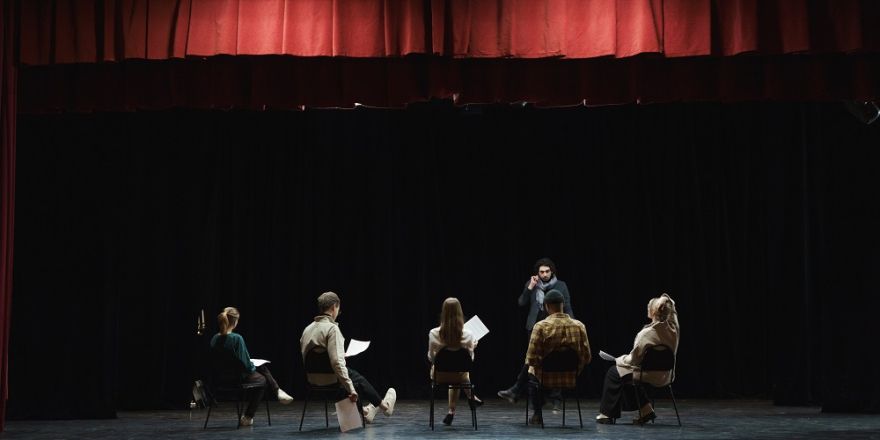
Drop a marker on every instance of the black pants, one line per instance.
(536, 397)
(254, 395)
(522, 379)
(362, 386)
(618, 393)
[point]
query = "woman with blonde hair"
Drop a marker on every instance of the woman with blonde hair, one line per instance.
(452, 335)
(662, 330)
(232, 344)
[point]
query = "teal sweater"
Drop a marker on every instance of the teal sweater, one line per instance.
(234, 343)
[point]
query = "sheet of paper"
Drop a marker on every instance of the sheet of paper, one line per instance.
(348, 415)
(356, 347)
(606, 356)
(258, 362)
(476, 327)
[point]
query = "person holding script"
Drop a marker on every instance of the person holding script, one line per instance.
(452, 335)
(324, 334)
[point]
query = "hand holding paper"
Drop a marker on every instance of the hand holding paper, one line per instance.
(348, 415)
(476, 327)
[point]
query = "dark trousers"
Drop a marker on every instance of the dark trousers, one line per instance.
(261, 377)
(535, 396)
(363, 387)
(522, 379)
(618, 393)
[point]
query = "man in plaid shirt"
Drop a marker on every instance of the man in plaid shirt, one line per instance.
(555, 332)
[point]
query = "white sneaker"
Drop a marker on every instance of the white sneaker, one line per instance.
(370, 412)
(283, 397)
(246, 421)
(389, 401)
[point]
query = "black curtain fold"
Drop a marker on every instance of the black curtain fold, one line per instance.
(755, 217)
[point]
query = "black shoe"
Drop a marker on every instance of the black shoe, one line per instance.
(475, 402)
(606, 421)
(645, 418)
(448, 419)
(509, 395)
(536, 419)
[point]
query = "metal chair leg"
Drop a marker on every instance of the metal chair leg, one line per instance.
(580, 419)
(673, 404)
(474, 408)
(638, 400)
(268, 416)
(474, 417)
(539, 390)
(431, 416)
(563, 408)
(541, 401)
(238, 411)
(303, 417)
(326, 415)
(210, 407)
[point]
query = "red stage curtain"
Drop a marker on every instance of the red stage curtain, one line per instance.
(63, 31)
(8, 72)
(674, 28)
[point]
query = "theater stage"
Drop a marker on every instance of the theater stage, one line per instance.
(701, 419)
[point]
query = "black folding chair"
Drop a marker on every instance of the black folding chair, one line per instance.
(455, 362)
(657, 358)
(318, 362)
(225, 383)
(560, 361)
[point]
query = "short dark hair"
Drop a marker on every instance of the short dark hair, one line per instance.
(554, 297)
(327, 300)
(545, 262)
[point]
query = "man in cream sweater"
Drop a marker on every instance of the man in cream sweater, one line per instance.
(323, 335)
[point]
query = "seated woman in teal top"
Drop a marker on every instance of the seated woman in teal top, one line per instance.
(233, 344)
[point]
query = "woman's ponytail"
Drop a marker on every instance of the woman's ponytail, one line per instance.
(227, 320)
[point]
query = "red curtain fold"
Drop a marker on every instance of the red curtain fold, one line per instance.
(8, 90)
(289, 82)
(62, 31)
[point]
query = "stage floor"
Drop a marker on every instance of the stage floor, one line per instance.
(701, 419)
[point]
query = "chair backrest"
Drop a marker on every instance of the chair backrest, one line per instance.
(454, 361)
(561, 360)
(658, 358)
(225, 368)
(318, 362)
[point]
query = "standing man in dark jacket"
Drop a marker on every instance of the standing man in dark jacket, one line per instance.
(543, 280)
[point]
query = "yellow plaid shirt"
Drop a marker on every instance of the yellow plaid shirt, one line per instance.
(555, 332)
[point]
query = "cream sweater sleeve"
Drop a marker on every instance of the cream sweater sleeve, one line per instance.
(336, 351)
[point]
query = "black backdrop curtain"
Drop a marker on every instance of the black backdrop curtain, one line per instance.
(759, 219)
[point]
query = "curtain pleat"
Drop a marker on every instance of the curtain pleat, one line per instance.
(8, 110)
(58, 31)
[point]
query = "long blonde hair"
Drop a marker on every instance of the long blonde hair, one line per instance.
(227, 320)
(451, 322)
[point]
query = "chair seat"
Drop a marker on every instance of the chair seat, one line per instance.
(657, 358)
(452, 363)
(555, 362)
(318, 362)
(216, 392)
